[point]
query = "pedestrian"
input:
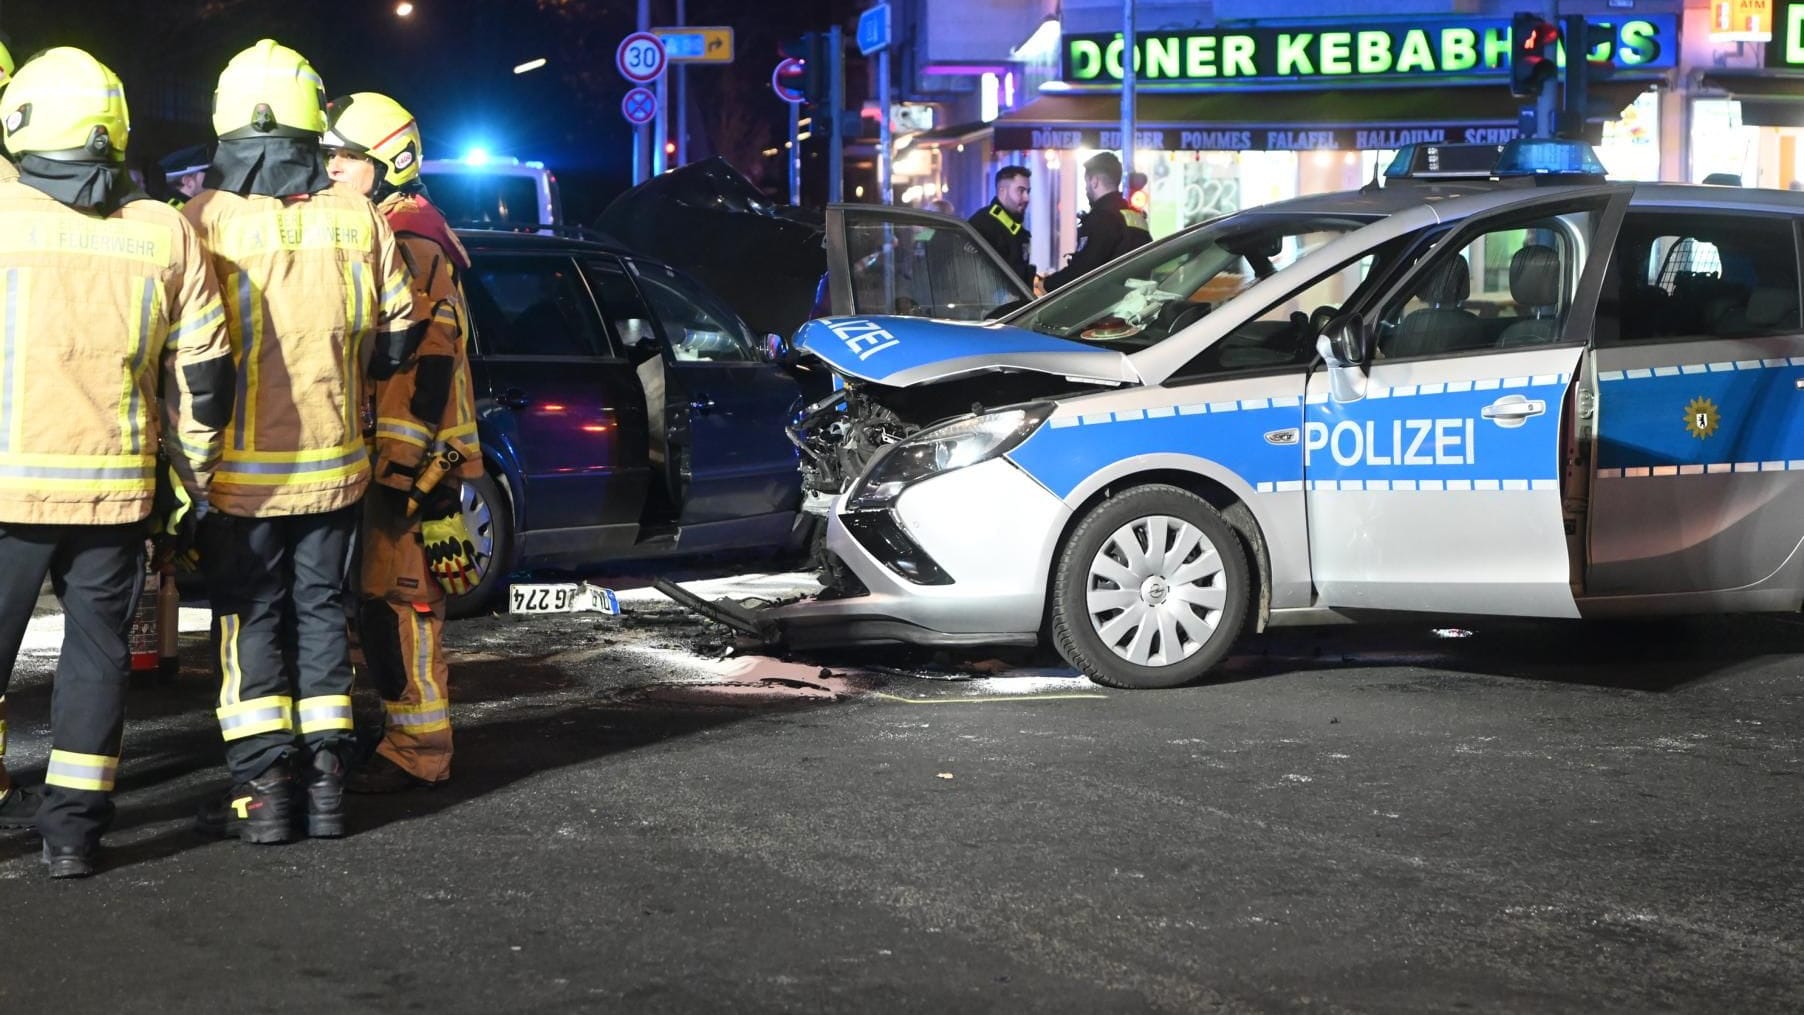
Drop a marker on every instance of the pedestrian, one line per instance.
(415, 546)
(1109, 229)
(184, 173)
(114, 341)
(314, 286)
(1003, 223)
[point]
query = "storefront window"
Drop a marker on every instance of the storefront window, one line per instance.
(1721, 143)
(1630, 148)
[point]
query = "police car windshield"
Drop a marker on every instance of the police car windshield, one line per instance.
(1156, 292)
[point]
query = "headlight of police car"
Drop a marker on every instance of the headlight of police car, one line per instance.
(943, 449)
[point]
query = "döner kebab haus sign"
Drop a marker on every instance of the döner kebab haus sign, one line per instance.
(1389, 50)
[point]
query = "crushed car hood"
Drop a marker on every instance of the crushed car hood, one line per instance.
(766, 260)
(903, 351)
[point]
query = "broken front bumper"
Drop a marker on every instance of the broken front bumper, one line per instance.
(959, 559)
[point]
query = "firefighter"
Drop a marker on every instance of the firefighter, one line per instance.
(1109, 229)
(414, 544)
(106, 300)
(18, 806)
(7, 172)
(314, 287)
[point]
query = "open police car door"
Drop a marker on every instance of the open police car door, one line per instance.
(884, 260)
(1434, 470)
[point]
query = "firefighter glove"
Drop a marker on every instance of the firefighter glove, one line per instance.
(450, 553)
(441, 501)
(174, 520)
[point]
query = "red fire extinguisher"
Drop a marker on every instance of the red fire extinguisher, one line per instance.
(155, 625)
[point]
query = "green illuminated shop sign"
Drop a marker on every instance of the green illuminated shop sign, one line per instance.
(1787, 47)
(1390, 50)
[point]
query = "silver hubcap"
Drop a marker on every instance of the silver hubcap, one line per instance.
(1156, 591)
(479, 518)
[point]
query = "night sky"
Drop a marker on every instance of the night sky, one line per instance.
(451, 63)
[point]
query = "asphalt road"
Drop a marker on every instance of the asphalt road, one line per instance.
(1545, 818)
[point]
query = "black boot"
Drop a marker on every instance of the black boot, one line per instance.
(19, 808)
(326, 795)
(68, 861)
(256, 811)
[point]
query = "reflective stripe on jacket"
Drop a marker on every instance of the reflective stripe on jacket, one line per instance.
(97, 316)
(313, 284)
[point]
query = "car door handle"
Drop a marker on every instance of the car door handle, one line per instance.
(703, 404)
(514, 398)
(1513, 410)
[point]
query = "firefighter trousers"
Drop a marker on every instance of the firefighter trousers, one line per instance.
(401, 620)
(97, 572)
(277, 587)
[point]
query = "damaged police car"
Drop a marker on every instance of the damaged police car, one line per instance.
(1568, 400)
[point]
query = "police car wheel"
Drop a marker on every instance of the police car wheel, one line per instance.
(1152, 590)
(490, 520)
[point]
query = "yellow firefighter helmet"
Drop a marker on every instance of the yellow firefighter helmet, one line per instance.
(379, 127)
(66, 105)
(269, 90)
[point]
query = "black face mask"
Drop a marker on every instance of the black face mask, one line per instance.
(269, 166)
(99, 187)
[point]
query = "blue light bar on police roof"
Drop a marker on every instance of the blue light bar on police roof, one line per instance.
(1537, 156)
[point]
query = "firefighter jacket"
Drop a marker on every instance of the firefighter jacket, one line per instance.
(428, 404)
(7, 170)
(313, 288)
(102, 319)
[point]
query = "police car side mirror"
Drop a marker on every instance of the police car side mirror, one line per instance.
(776, 349)
(1346, 347)
(1346, 343)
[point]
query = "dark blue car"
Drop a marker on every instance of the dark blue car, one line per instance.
(624, 411)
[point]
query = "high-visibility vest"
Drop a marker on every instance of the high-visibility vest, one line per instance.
(101, 320)
(312, 284)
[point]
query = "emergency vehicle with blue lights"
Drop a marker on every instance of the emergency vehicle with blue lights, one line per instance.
(1491, 397)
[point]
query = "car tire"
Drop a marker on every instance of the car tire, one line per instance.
(490, 517)
(1136, 618)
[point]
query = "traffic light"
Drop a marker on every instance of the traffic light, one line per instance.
(1534, 51)
(1589, 52)
(815, 52)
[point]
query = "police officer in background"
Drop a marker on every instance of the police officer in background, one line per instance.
(1003, 223)
(115, 339)
(184, 173)
(414, 544)
(313, 286)
(1109, 229)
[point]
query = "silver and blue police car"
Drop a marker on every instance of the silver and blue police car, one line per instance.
(1573, 399)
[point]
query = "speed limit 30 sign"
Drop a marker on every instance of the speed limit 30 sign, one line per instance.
(640, 57)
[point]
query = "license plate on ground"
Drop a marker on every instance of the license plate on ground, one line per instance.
(561, 597)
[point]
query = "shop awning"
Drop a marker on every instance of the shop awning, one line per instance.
(958, 134)
(1768, 98)
(1300, 119)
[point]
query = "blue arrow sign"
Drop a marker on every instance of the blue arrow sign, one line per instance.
(873, 29)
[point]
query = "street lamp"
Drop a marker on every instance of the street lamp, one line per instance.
(403, 9)
(530, 65)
